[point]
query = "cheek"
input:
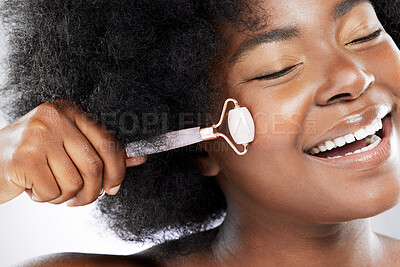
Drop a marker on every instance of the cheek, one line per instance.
(272, 164)
(274, 125)
(278, 116)
(386, 67)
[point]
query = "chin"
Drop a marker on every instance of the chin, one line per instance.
(368, 203)
(355, 201)
(373, 207)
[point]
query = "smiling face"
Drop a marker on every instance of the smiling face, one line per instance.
(317, 64)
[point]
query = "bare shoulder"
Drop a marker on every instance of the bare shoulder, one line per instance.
(192, 250)
(187, 251)
(88, 260)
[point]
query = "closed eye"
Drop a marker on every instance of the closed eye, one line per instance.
(366, 38)
(278, 74)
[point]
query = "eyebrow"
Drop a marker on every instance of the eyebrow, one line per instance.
(291, 32)
(282, 34)
(346, 6)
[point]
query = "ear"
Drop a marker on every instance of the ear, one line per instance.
(207, 164)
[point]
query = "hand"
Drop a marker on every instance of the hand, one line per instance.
(57, 153)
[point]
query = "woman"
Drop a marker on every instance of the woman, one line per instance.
(313, 74)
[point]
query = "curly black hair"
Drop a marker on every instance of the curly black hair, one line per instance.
(128, 62)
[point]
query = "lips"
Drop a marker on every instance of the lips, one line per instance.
(353, 123)
(367, 160)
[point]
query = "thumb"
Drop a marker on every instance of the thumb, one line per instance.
(135, 161)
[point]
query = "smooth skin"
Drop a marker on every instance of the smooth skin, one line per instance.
(283, 208)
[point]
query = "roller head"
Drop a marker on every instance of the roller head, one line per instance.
(241, 125)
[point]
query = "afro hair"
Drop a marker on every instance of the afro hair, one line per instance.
(136, 67)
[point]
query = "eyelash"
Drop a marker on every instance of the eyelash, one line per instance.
(277, 74)
(285, 71)
(370, 37)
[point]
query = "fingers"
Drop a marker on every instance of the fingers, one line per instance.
(109, 150)
(63, 154)
(89, 165)
(35, 177)
(66, 175)
(135, 161)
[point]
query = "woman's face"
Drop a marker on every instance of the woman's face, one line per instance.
(317, 64)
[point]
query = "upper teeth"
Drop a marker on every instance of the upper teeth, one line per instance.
(350, 138)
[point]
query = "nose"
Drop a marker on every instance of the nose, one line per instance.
(344, 80)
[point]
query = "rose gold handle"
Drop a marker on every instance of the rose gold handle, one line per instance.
(210, 133)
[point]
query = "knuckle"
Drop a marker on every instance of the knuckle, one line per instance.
(95, 166)
(38, 128)
(111, 146)
(77, 182)
(48, 114)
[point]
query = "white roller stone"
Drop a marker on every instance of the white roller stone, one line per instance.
(241, 125)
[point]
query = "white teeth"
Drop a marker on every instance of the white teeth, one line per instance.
(334, 157)
(315, 150)
(340, 141)
(380, 124)
(375, 143)
(370, 129)
(367, 132)
(361, 134)
(376, 140)
(376, 125)
(350, 138)
(330, 145)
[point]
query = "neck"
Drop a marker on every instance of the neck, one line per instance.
(245, 238)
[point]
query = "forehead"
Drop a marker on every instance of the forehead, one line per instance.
(314, 15)
(285, 11)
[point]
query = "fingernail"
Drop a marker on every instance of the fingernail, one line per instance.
(114, 190)
(55, 200)
(34, 197)
(71, 203)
